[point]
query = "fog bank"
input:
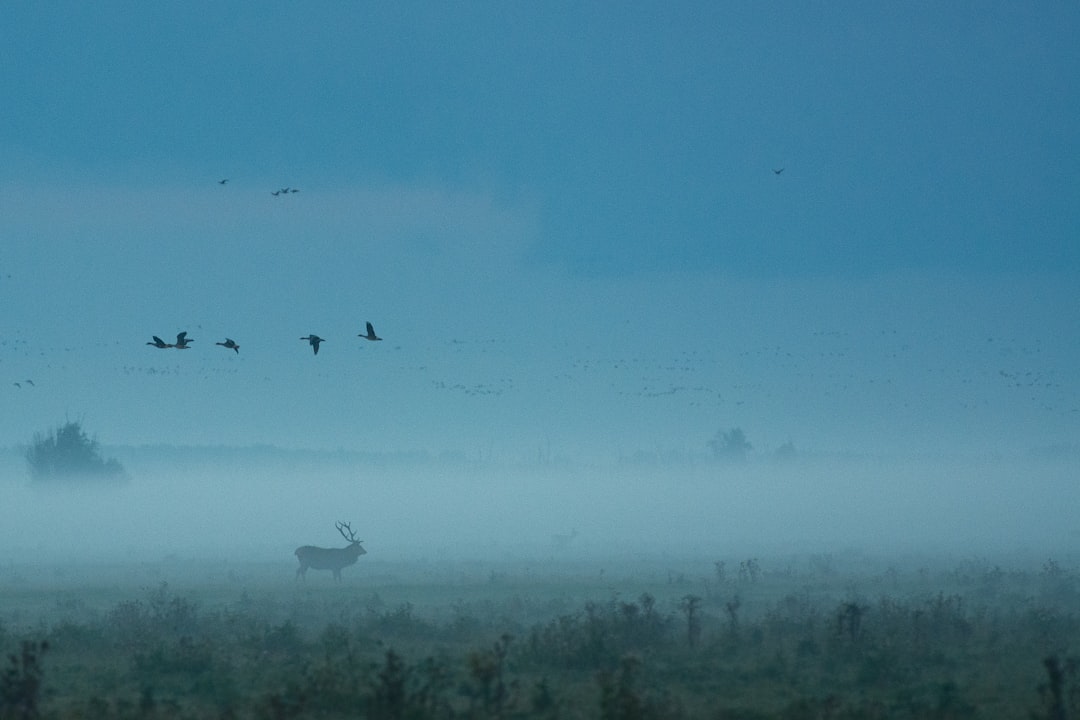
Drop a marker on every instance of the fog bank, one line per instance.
(414, 509)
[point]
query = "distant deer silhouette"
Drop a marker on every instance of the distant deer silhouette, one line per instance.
(561, 542)
(330, 558)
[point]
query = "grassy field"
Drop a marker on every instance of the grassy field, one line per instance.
(821, 636)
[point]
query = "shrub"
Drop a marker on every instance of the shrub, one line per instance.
(68, 453)
(730, 445)
(20, 683)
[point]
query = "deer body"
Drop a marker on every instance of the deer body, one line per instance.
(561, 542)
(330, 558)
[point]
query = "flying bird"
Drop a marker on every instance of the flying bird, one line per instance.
(229, 345)
(29, 382)
(182, 341)
(159, 343)
(314, 341)
(778, 171)
(222, 182)
(275, 193)
(370, 333)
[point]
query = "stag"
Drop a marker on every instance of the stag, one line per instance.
(330, 558)
(561, 542)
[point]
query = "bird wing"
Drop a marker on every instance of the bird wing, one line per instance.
(370, 330)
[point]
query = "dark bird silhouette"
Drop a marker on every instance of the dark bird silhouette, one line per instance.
(222, 182)
(182, 341)
(275, 193)
(159, 343)
(778, 171)
(17, 385)
(314, 341)
(229, 345)
(29, 382)
(370, 333)
(295, 190)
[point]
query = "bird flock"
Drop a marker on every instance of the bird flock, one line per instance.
(183, 342)
(276, 193)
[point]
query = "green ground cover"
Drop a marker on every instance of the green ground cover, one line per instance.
(815, 637)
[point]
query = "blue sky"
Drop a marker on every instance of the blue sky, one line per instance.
(912, 136)
(529, 198)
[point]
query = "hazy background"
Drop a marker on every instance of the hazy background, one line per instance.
(565, 223)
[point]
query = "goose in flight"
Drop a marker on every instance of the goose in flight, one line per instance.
(182, 341)
(314, 341)
(370, 333)
(229, 345)
(159, 343)
(778, 171)
(222, 182)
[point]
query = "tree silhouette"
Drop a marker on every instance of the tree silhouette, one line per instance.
(68, 453)
(730, 445)
(786, 452)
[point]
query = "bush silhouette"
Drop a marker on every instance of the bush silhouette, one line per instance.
(68, 453)
(730, 445)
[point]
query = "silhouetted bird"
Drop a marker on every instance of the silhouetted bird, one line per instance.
(182, 341)
(222, 182)
(314, 341)
(370, 333)
(275, 193)
(29, 382)
(778, 171)
(159, 343)
(230, 345)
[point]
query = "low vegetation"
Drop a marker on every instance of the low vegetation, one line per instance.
(68, 454)
(971, 642)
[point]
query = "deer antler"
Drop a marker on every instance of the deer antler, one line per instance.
(342, 527)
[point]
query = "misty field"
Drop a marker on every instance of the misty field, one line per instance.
(813, 636)
(813, 589)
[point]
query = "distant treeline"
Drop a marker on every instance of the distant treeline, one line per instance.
(270, 454)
